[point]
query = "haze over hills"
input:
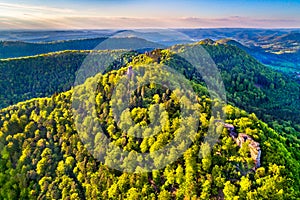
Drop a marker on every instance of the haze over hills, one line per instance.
(22, 49)
(36, 36)
(286, 63)
(277, 48)
(248, 37)
(12, 49)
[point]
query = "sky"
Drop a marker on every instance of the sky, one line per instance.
(119, 14)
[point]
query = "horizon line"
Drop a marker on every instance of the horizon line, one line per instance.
(147, 28)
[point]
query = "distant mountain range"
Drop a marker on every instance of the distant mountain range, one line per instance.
(277, 48)
(288, 63)
(52, 35)
(13, 49)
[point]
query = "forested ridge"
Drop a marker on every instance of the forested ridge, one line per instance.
(42, 155)
(245, 78)
(272, 96)
(14, 49)
(10, 49)
(286, 63)
(42, 75)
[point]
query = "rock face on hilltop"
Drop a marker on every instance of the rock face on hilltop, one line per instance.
(253, 146)
(241, 139)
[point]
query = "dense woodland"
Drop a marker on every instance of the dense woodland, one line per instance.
(43, 75)
(14, 49)
(42, 155)
(272, 96)
(10, 49)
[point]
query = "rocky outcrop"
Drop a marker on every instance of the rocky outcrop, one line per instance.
(253, 146)
(240, 139)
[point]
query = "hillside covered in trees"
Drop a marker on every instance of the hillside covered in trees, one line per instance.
(11, 49)
(272, 96)
(42, 155)
(279, 49)
(14, 49)
(43, 75)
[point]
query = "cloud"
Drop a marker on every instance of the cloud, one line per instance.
(19, 16)
(23, 16)
(239, 21)
(25, 7)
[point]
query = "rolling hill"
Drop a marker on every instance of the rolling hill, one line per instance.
(43, 155)
(274, 97)
(13, 49)
(278, 48)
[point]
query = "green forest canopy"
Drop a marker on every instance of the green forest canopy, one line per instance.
(271, 95)
(42, 155)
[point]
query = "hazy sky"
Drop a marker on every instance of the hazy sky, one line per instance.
(78, 14)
